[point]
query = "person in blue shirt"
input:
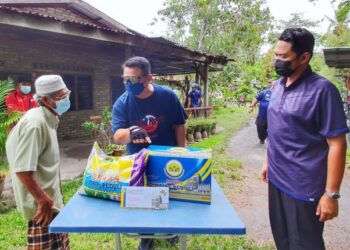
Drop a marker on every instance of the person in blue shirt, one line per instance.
(146, 114)
(195, 96)
(306, 150)
(261, 120)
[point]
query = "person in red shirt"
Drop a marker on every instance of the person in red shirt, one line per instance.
(21, 99)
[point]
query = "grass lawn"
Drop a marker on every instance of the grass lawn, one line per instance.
(13, 226)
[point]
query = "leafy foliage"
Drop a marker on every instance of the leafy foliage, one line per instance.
(234, 28)
(229, 27)
(100, 128)
(6, 119)
(338, 34)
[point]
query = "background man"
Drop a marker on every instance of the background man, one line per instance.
(261, 120)
(195, 98)
(306, 149)
(21, 99)
(33, 154)
(146, 113)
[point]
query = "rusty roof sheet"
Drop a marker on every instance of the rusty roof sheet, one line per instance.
(218, 59)
(60, 14)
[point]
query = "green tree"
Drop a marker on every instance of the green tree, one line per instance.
(297, 19)
(229, 27)
(338, 34)
(234, 28)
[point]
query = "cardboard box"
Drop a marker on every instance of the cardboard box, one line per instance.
(186, 171)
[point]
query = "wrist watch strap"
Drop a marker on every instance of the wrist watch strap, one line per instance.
(332, 195)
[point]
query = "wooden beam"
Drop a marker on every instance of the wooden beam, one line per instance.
(205, 73)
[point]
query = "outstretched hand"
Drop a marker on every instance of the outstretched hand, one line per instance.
(139, 135)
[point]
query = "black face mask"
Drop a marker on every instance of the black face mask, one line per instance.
(283, 68)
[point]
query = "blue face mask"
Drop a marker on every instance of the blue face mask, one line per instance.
(134, 88)
(26, 89)
(62, 105)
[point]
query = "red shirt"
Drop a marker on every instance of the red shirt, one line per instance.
(17, 101)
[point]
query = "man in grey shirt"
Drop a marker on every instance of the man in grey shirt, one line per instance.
(33, 154)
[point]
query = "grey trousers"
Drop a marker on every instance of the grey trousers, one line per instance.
(294, 223)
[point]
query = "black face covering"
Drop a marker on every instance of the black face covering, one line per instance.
(283, 68)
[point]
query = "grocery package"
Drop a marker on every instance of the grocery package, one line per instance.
(105, 175)
(186, 171)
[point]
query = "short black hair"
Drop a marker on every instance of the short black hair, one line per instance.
(301, 39)
(138, 62)
(24, 78)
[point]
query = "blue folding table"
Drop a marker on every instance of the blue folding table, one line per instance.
(84, 214)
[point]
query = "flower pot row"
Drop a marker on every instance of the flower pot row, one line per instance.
(200, 132)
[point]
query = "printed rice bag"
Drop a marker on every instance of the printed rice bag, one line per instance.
(105, 175)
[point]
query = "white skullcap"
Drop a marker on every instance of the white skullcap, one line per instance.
(48, 84)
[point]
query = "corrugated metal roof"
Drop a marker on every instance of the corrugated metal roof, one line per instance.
(215, 59)
(69, 12)
(42, 13)
(337, 57)
(80, 13)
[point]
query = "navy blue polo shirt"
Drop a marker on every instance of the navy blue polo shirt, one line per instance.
(264, 98)
(156, 114)
(301, 117)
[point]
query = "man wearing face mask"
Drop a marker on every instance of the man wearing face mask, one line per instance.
(307, 146)
(146, 113)
(21, 100)
(33, 154)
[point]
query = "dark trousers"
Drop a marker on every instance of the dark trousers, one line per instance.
(294, 223)
(261, 126)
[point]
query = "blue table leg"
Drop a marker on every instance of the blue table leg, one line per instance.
(118, 244)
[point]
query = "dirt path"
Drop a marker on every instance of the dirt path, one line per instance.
(249, 195)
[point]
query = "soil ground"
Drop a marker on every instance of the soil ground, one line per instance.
(249, 195)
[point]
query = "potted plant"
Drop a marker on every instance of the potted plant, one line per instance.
(206, 130)
(189, 133)
(6, 120)
(100, 129)
(213, 128)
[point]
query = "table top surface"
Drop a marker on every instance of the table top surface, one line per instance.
(85, 214)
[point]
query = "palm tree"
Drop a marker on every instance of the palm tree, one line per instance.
(341, 19)
(344, 10)
(6, 120)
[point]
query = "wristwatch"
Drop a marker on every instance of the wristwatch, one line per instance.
(333, 195)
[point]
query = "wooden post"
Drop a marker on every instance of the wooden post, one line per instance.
(205, 72)
(198, 68)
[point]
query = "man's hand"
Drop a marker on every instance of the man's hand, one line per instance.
(250, 109)
(263, 172)
(43, 215)
(327, 208)
(139, 135)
